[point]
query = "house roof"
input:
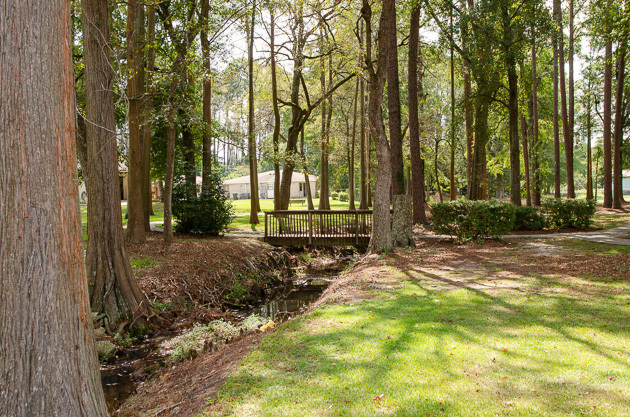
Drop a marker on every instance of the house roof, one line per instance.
(266, 177)
(625, 173)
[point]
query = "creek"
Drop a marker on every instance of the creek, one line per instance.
(121, 376)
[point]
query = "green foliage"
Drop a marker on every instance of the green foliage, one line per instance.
(209, 213)
(334, 195)
(344, 197)
(142, 263)
(469, 220)
(563, 212)
(528, 218)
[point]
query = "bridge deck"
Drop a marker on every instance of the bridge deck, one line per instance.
(318, 227)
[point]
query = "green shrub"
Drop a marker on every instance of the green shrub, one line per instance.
(473, 219)
(344, 197)
(209, 213)
(563, 212)
(334, 195)
(528, 218)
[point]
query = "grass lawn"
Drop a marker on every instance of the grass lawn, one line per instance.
(243, 206)
(437, 331)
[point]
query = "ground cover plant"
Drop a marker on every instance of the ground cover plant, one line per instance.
(520, 328)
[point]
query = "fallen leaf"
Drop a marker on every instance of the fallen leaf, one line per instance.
(611, 378)
(379, 397)
(504, 378)
(504, 350)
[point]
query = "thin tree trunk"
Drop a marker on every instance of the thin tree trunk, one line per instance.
(566, 127)
(608, 195)
(556, 127)
(351, 187)
(452, 193)
(307, 181)
(414, 81)
(568, 147)
(113, 288)
(135, 90)
(363, 205)
(468, 109)
(436, 170)
(589, 156)
(206, 163)
(251, 138)
(535, 144)
(324, 201)
(170, 168)
(47, 358)
(528, 198)
(276, 114)
(619, 120)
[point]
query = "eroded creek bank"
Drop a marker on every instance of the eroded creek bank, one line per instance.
(206, 312)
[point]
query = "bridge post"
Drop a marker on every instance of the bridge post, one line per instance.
(356, 228)
(265, 224)
(310, 227)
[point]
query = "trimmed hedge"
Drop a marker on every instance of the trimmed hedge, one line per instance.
(528, 218)
(469, 220)
(344, 197)
(567, 212)
(334, 195)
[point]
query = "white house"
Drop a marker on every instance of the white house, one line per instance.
(625, 181)
(239, 188)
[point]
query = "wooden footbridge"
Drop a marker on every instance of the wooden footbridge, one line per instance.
(318, 227)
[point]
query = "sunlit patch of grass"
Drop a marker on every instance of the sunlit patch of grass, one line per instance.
(143, 263)
(592, 248)
(610, 221)
(540, 350)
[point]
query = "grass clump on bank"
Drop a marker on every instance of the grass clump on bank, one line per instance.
(544, 345)
(217, 332)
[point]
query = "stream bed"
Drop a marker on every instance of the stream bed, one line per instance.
(121, 376)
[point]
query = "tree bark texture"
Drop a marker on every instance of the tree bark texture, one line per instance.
(135, 91)
(535, 141)
(393, 106)
(276, 114)
(381, 239)
(402, 234)
(556, 126)
(147, 110)
(113, 288)
(363, 205)
(48, 364)
(351, 187)
(415, 78)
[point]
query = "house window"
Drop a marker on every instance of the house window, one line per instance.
(301, 186)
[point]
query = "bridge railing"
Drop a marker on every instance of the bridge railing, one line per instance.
(318, 227)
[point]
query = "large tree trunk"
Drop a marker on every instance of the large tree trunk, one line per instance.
(113, 288)
(619, 120)
(324, 193)
(415, 78)
(135, 91)
(468, 107)
(48, 361)
(381, 239)
(393, 106)
(148, 114)
(451, 176)
(363, 205)
(251, 136)
(206, 164)
(567, 133)
(606, 125)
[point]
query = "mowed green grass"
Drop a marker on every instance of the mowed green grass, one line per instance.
(418, 350)
(244, 206)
